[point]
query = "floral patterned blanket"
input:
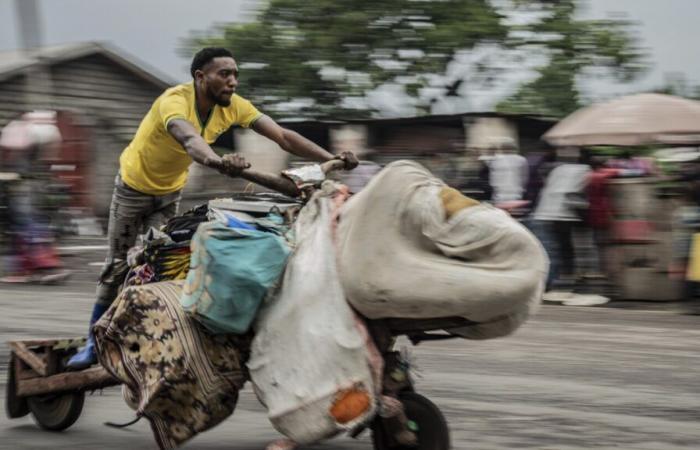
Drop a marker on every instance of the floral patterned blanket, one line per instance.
(177, 375)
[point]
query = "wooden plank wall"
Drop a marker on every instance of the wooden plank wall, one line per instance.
(105, 97)
(12, 99)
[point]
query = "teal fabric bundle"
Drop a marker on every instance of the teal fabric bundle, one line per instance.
(231, 272)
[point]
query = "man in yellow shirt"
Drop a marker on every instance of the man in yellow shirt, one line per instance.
(178, 129)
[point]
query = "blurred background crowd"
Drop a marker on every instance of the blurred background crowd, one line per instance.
(566, 114)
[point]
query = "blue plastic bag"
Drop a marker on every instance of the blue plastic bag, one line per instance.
(231, 272)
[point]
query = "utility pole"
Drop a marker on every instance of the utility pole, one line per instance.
(38, 85)
(30, 36)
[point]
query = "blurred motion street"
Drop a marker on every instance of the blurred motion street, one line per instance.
(571, 378)
(483, 168)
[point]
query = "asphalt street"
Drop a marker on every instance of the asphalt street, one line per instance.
(571, 378)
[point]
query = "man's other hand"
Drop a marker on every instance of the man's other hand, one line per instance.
(349, 158)
(233, 165)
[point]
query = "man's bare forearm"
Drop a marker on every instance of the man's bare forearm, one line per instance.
(277, 182)
(300, 146)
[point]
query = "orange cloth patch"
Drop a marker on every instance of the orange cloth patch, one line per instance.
(453, 201)
(350, 404)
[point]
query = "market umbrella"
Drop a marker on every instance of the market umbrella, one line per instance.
(640, 119)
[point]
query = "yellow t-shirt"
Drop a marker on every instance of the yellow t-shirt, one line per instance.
(154, 162)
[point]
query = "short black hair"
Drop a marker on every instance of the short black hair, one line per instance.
(202, 57)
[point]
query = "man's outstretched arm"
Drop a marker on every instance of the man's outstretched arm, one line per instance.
(296, 144)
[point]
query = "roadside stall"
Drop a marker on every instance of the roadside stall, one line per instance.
(642, 233)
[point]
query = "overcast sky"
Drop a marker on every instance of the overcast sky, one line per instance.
(150, 30)
(668, 28)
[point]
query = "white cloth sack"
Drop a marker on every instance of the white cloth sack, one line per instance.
(400, 258)
(307, 347)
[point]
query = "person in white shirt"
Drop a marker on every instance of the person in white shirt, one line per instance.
(559, 210)
(508, 172)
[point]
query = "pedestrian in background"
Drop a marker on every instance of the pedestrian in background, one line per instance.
(561, 208)
(539, 166)
(508, 172)
(600, 211)
(27, 145)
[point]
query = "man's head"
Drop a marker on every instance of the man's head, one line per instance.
(216, 74)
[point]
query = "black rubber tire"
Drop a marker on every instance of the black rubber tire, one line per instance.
(15, 407)
(56, 412)
(433, 432)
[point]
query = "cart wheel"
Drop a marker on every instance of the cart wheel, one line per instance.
(430, 426)
(15, 407)
(56, 412)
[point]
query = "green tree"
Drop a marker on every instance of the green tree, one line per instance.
(332, 51)
(572, 45)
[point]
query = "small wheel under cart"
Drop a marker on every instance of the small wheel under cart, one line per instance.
(422, 416)
(56, 412)
(37, 383)
(425, 420)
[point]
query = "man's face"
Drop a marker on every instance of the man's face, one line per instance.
(219, 77)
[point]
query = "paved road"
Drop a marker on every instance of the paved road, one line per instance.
(572, 378)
